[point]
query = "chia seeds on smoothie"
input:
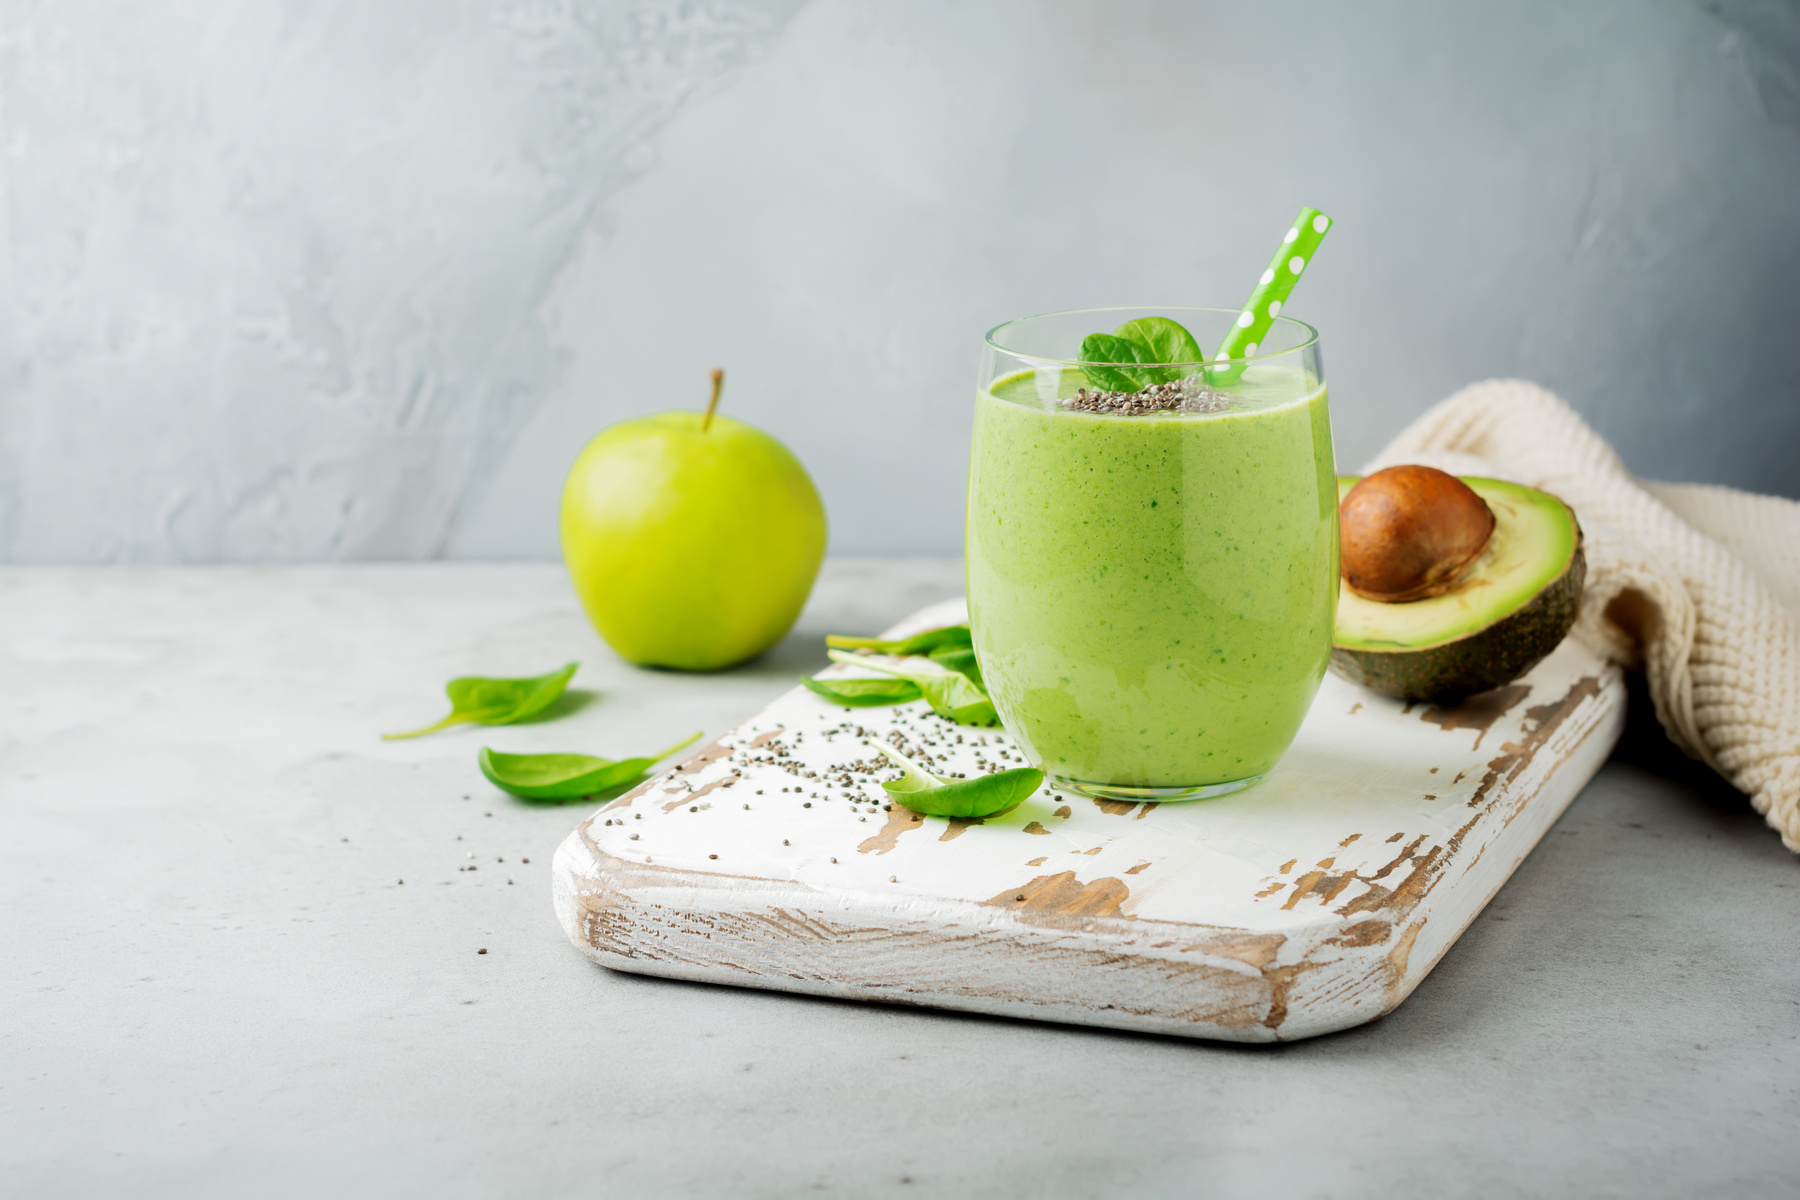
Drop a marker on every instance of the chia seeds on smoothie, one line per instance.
(1181, 395)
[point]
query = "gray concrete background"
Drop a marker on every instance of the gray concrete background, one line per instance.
(284, 280)
(213, 984)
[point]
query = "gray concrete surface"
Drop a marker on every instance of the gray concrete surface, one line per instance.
(214, 983)
(287, 281)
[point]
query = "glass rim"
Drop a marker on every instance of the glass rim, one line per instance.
(1312, 334)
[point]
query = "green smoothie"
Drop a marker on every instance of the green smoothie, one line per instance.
(1152, 595)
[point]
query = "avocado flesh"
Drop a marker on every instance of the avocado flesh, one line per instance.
(1509, 608)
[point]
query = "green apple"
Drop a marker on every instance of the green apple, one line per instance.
(692, 540)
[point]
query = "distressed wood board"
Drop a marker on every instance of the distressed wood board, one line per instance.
(1312, 902)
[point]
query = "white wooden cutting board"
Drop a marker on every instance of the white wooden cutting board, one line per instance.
(1311, 902)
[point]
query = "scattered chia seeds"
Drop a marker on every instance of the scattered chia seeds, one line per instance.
(1183, 395)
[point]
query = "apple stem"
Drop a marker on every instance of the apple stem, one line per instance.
(718, 378)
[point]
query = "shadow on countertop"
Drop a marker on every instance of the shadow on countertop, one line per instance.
(1646, 746)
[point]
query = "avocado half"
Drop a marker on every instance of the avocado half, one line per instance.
(1511, 606)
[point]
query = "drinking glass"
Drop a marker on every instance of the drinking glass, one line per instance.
(1152, 595)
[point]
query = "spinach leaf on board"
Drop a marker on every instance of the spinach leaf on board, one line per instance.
(951, 694)
(948, 637)
(1098, 348)
(864, 693)
(935, 796)
(958, 698)
(477, 700)
(565, 776)
(960, 659)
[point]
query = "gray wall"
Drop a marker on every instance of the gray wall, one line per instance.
(290, 280)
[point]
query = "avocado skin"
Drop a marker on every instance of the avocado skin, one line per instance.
(1496, 654)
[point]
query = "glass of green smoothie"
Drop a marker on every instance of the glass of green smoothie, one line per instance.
(1152, 547)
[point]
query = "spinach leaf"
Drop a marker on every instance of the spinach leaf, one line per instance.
(959, 698)
(864, 693)
(1143, 343)
(960, 659)
(1164, 341)
(935, 796)
(951, 694)
(1097, 348)
(948, 637)
(481, 701)
(565, 776)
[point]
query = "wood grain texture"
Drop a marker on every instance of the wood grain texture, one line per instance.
(1312, 902)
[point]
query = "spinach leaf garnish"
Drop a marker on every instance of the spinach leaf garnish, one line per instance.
(565, 776)
(950, 693)
(864, 693)
(946, 638)
(1097, 348)
(1164, 341)
(476, 700)
(1144, 343)
(936, 796)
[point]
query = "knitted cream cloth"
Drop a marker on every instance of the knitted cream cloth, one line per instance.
(1698, 585)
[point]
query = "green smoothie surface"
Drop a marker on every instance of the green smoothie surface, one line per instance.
(1152, 595)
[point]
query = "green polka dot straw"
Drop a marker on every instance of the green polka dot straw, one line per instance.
(1291, 258)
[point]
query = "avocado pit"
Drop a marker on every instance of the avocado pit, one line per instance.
(1408, 532)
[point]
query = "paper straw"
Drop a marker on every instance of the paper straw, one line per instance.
(1265, 303)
